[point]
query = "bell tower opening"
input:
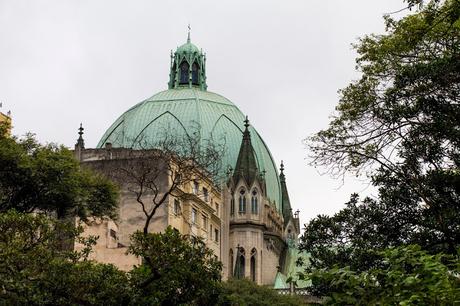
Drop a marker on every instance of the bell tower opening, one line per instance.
(184, 73)
(195, 73)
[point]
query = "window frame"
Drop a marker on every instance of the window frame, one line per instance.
(184, 74)
(205, 194)
(194, 215)
(242, 201)
(205, 221)
(195, 187)
(195, 74)
(216, 235)
(254, 202)
(176, 207)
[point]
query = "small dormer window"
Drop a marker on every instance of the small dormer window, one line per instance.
(184, 72)
(176, 207)
(205, 195)
(195, 187)
(194, 212)
(195, 70)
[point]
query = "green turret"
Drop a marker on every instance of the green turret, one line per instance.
(285, 203)
(188, 67)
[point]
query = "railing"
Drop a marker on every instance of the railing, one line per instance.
(303, 292)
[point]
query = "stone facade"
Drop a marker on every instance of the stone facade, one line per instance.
(237, 220)
(256, 227)
(246, 219)
(196, 210)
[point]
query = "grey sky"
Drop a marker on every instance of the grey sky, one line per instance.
(282, 62)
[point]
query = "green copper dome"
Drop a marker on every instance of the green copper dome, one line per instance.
(180, 109)
(188, 48)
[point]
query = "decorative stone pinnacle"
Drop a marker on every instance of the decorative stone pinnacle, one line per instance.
(282, 167)
(80, 130)
(246, 122)
(80, 141)
(188, 35)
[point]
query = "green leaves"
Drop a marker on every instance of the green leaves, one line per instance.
(399, 124)
(408, 276)
(409, 88)
(35, 269)
(243, 292)
(176, 270)
(47, 178)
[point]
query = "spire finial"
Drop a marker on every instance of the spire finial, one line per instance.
(282, 167)
(80, 141)
(80, 130)
(246, 122)
(188, 35)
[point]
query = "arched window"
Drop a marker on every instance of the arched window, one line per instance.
(254, 202)
(242, 201)
(195, 70)
(253, 264)
(290, 235)
(184, 73)
(240, 263)
(232, 206)
(230, 264)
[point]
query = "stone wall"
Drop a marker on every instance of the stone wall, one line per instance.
(114, 235)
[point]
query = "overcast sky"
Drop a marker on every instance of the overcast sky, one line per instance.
(281, 62)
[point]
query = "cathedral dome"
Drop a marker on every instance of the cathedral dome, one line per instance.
(185, 105)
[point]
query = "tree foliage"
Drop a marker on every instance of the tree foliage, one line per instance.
(400, 122)
(407, 276)
(243, 292)
(35, 270)
(47, 178)
(401, 115)
(399, 125)
(176, 270)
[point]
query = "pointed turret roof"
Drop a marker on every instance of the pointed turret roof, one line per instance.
(246, 164)
(80, 142)
(286, 204)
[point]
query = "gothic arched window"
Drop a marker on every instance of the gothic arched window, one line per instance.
(254, 202)
(184, 73)
(195, 70)
(240, 263)
(242, 201)
(232, 206)
(253, 264)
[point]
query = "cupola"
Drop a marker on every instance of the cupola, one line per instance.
(188, 67)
